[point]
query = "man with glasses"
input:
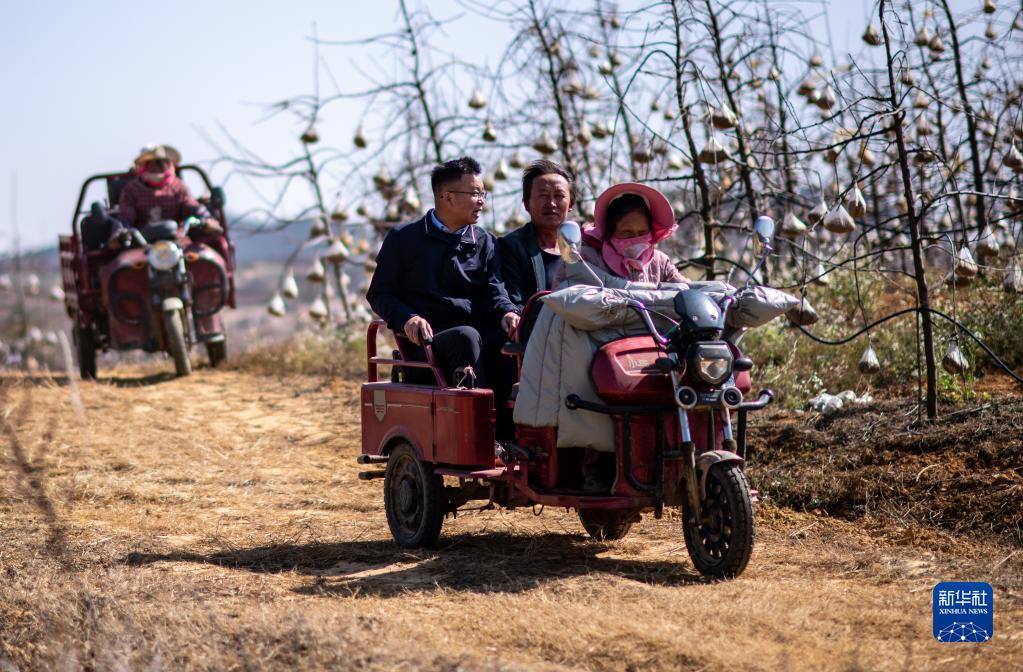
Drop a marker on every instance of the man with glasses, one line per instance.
(438, 279)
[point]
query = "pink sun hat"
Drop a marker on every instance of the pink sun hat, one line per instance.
(662, 215)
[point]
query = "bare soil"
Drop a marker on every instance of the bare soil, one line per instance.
(961, 473)
(217, 522)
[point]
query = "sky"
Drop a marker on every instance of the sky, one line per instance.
(87, 84)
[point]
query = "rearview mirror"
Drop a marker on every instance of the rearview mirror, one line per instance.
(570, 240)
(763, 228)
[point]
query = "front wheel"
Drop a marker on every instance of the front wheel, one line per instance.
(85, 343)
(721, 541)
(413, 499)
(217, 351)
(608, 524)
(174, 332)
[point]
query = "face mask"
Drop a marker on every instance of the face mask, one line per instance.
(157, 179)
(632, 248)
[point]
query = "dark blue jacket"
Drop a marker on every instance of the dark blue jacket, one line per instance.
(522, 264)
(450, 279)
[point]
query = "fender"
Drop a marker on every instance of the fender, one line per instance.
(395, 434)
(704, 461)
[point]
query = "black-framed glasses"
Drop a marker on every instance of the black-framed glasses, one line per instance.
(475, 195)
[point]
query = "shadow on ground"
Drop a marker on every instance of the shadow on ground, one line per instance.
(486, 563)
(137, 381)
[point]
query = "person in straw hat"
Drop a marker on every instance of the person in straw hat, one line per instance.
(158, 194)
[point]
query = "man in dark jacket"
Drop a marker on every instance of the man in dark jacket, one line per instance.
(529, 255)
(438, 278)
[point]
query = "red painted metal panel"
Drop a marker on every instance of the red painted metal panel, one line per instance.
(623, 372)
(542, 442)
(643, 453)
(464, 426)
(390, 409)
(127, 276)
(68, 275)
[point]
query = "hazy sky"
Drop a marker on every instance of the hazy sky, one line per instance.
(86, 84)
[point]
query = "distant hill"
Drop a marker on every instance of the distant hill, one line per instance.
(255, 245)
(41, 260)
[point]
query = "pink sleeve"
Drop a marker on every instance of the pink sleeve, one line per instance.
(669, 273)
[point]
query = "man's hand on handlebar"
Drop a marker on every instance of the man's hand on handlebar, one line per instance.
(208, 226)
(509, 323)
(417, 330)
(120, 239)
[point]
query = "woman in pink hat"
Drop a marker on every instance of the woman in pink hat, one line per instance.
(629, 220)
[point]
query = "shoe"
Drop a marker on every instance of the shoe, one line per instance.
(465, 378)
(501, 454)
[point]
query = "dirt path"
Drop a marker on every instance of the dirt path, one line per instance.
(217, 522)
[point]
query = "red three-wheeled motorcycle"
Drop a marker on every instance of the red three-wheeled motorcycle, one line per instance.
(679, 413)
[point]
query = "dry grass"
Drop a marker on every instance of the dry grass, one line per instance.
(329, 352)
(216, 522)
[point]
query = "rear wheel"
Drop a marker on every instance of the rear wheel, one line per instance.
(413, 499)
(85, 343)
(721, 541)
(175, 336)
(217, 351)
(608, 524)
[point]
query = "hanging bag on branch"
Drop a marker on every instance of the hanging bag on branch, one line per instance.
(1013, 279)
(792, 226)
(277, 307)
(869, 363)
(965, 264)
(316, 272)
(289, 288)
(318, 310)
(955, 361)
(839, 221)
(803, 315)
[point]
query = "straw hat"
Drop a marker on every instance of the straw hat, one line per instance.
(155, 152)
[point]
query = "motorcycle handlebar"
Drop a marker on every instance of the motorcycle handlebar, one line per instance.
(648, 322)
(135, 236)
(188, 224)
(644, 314)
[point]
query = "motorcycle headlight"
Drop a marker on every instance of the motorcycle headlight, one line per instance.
(713, 363)
(163, 255)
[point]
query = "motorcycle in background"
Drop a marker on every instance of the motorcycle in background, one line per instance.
(161, 290)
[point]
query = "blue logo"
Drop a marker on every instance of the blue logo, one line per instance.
(964, 611)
